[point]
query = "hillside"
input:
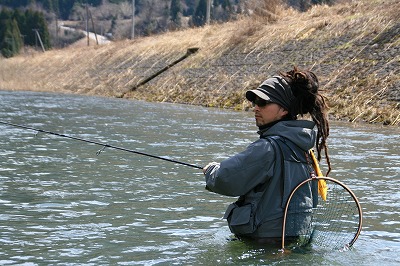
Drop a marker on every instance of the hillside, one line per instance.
(353, 48)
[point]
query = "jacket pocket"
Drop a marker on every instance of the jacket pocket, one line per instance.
(240, 219)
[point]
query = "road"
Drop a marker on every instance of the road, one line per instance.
(101, 39)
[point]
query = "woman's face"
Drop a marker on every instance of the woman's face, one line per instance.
(268, 113)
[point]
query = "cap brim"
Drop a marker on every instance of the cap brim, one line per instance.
(252, 94)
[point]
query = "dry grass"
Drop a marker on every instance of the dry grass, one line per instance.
(354, 103)
(337, 42)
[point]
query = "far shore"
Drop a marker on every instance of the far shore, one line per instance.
(354, 49)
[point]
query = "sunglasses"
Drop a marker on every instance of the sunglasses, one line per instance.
(260, 102)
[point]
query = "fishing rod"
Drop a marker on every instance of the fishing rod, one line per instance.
(104, 145)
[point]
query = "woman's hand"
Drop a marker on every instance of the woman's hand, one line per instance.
(212, 164)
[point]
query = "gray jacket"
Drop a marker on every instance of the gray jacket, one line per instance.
(263, 178)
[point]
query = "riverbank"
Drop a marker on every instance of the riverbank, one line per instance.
(354, 49)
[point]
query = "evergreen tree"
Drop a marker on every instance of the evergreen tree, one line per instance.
(175, 12)
(43, 30)
(10, 37)
(304, 5)
(14, 3)
(21, 20)
(47, 5)
(328, 2)
(199, 16)
(222, 10)
(65, 8)
(35, 20)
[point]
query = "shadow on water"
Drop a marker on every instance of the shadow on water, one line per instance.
(62, 204)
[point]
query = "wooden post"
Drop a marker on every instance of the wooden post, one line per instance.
(133, 20)
(40, 40)
(94, 30)
(87, 23)
(189, 52)
(208, 12)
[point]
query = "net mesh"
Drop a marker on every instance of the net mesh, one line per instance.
(332, 224)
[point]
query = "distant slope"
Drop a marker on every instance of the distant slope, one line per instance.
(353, 48)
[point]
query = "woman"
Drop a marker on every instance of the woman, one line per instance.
(266, 172)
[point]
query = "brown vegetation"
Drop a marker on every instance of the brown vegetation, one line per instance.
(352, 47)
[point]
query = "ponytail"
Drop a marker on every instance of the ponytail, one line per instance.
(308, 100)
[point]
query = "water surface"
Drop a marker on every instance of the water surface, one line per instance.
(61, 204)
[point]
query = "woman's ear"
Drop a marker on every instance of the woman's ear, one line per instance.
(284, 112)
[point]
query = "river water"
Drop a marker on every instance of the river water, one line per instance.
(61, 204)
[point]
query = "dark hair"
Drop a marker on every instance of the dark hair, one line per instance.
(308, 100)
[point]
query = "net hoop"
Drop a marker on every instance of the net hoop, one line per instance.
(331, 180)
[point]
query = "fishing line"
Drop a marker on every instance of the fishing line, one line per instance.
(104, 145)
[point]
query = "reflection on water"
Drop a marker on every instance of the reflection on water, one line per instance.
(62, 204)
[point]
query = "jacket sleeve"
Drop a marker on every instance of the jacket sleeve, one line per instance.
(239, 174)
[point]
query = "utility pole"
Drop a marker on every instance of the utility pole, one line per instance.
(40, 39)
(87, 24)
(23, 42)
(208, 12)
(57, 29)
(93, 28)
(133, 20)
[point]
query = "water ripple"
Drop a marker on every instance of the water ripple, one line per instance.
(62, 204)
